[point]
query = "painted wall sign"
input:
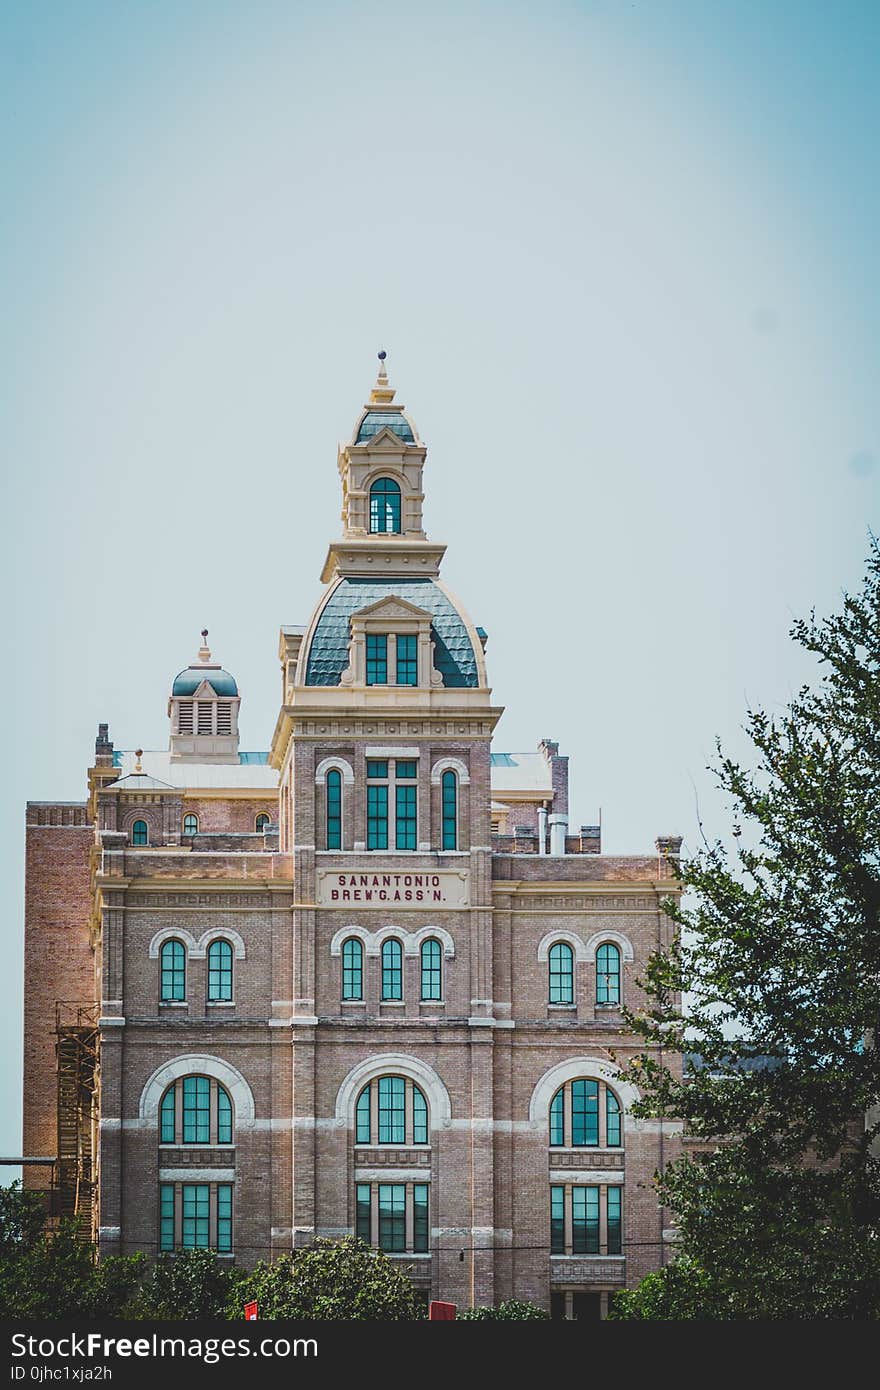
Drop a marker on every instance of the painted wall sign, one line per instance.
(368, 888)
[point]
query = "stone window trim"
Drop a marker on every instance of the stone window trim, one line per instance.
(587, 1069)
(411, 941)
(397, 1064)
(389, 617)
(201, 1064)
(337, 764)
(450, 765)
(197, 949)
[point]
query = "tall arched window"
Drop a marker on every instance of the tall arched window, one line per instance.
(195, 1110)
(585, 1114)
(190, 824)
(607, 974)
(334, 809)
(561, 964)
(384, 506)
(432, 969)
(392, 969)
(262, 823)
(352, 969)
(139, 833)
(172, 972)
(219, 972)
(391, 1110)
(449, 791)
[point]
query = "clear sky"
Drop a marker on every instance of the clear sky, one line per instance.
(623, 259)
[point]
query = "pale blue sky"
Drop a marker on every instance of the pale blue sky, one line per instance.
(623, 259)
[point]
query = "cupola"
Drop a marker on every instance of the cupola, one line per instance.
(203, 709)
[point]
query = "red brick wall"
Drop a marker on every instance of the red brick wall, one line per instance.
(58, 960)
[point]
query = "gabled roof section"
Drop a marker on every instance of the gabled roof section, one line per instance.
(392, 606)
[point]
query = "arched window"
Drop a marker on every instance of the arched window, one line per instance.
(607, 974)
(352, 969)
(139, 833)
(449, 792)
(391, 1110)
(334, 809)
(561, 963)
(195, 1110)
(172, 971)
(585, 1114)
(219, 971)
(262, 823)
(392, 969)
(432, 972)
(384, 506)
(190, 824)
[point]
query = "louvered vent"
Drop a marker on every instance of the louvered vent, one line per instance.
(224, 717)
(206, 723)
(185, 716)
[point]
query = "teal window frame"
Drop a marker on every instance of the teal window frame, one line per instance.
(377, 658)
(449, 810)
(584, 1220)
(196, 1223)
(608, 974)
(405, 815)
(420, 1116)
(333, 793)
(560, 965)
(220, 972)
(196, 1110)
(406, 769)
(262, 823)
(614, 1220)
(224, 1218)
(557, 1220)
(190, 824)
(172, 972)
(166, 1216)
(364, 1213)
(353, 968)
(613, 1120)
(392, 1217)
(377, 815)
(392, 1109)
(363, 1116)
(407, 662)
(168, 1117)
(557, 1119)
(421, 1223)
(224, 1116)
(584, 1114)
(431, 960)
(140, 833)
(385, 507)
(392, 969)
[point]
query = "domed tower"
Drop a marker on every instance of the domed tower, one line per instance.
(203, 709)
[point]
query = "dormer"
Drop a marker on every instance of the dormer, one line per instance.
(203, 709)
(390, 644)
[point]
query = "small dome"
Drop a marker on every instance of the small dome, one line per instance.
(188, 681)
(377, 420)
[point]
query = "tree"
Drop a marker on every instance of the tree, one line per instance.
(188, 1284)
(780, 957)
(331, 1279)
(511, 1310)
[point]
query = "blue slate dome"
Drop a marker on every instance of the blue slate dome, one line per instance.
(188, 681)
(453, 652)
(377, 420)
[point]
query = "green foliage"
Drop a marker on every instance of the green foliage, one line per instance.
(330, 1280)
(189, 1284)
(780, 956)
(512, 1309)
(22, 1220)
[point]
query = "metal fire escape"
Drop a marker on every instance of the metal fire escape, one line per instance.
(76, 1050)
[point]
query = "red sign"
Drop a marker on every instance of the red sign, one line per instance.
(250, 1312)
(441, 1312)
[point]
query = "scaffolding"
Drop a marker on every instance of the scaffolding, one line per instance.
(76, 1050)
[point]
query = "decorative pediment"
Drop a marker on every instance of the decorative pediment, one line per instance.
(392, 607)
(385, 439)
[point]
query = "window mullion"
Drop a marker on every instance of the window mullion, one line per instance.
(568, 1221)
(603, 1219)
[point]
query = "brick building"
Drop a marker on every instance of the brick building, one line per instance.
(367, 981)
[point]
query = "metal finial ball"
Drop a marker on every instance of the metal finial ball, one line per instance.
(382, 355)
(139, 752)
(204, 632)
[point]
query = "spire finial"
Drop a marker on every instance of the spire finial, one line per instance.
(138, 753)
(204, 649)
(382, 393)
